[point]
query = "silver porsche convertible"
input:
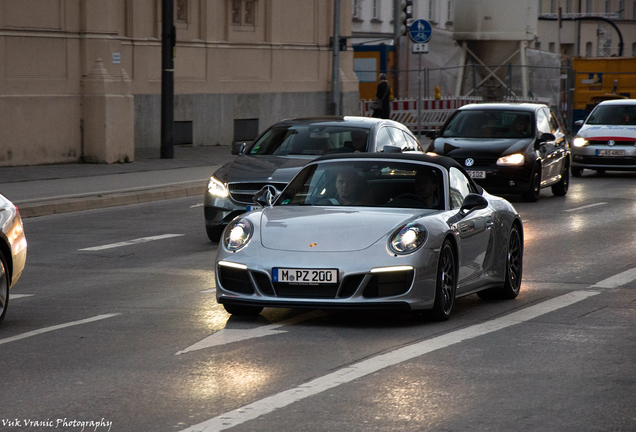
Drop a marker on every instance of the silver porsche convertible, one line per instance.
(400, 231)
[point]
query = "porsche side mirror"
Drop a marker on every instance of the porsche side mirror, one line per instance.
(579, 122)
(472, 202)
(266, 196)
(238, 149)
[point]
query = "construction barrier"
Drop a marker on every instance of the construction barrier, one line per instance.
(434, 112)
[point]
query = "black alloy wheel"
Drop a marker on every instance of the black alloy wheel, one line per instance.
(561, 188)
(242, 310)
(532, 194)
(4, 288)
(446, 286)
(514, 270)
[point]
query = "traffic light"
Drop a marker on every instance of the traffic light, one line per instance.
(405, 14)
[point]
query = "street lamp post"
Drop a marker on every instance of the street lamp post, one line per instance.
(168, 36)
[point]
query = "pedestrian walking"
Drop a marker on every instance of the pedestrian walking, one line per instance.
(383, 95)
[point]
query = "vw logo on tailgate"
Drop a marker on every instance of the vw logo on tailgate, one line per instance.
(469, 162)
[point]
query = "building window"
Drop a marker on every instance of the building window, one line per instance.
(621, 9)
(537, 45)
(181, 11)
(634, 49)
(356, 8)
(551, 47)
(430, 10)
(552, 6)
(375, 9)
(243, 12)
(449, 15)
(568, 6)
(608, 6)
(588, 6)
(588, 49)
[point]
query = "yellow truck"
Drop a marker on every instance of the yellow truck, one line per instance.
(599, 79)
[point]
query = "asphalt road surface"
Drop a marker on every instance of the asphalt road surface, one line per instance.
(114, 326)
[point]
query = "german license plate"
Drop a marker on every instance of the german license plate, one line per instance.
(305, 276)
(610, 152)
(477, 174)
(251, 207)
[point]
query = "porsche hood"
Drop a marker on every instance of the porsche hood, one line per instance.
(328, 229)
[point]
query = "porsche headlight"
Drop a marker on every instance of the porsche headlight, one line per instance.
(238, 234)
(511, 160)
(408, 239)
(217, 188)
(579, 142)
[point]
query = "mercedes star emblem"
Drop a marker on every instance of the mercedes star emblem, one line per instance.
(469, 162)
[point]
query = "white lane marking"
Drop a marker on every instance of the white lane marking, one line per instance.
(617, 280)
(17, 296)
(374, 364)
(131, 242)
(197, 205)
(586, 206)
(56, 327)
(228, 336)
(213, 290)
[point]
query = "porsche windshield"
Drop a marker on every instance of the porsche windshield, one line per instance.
(310, 139)
(613, 115)
(366, 184)
(489, 124)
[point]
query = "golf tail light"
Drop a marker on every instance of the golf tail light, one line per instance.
(238, 234)
(579, 142)
(408, 239)
(511, 160)
(217, 188)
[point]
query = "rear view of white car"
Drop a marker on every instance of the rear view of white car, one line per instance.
(607, 138)
(13, 248)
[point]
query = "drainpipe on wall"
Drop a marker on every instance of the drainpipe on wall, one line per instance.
(334, 106)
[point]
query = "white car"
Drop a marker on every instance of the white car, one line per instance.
(607, 138)
(13, 248)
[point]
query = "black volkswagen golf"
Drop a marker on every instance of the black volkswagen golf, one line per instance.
(508, 148)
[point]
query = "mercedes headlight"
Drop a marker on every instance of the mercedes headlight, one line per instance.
(408, 239)
(579, 142)
(238, 234)
(511, 160)
(217, 188)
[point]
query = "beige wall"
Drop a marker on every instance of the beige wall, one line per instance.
(64, 96)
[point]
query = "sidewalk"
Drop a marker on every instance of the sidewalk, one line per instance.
(50, 189)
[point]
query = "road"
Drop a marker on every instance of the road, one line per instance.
(115, 322)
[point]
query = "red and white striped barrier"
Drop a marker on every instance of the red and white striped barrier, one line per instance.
(434, 111)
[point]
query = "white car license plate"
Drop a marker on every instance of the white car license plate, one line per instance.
(305, 276)
(477, 174)
(610, 152)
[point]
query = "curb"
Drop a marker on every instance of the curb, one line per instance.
(28, 210)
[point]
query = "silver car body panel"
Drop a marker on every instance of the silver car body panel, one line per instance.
(354, 240)
(12, 233)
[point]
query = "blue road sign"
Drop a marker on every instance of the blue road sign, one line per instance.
(420, 31)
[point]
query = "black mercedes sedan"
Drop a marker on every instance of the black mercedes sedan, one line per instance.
(275, 157)
(507, 148)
